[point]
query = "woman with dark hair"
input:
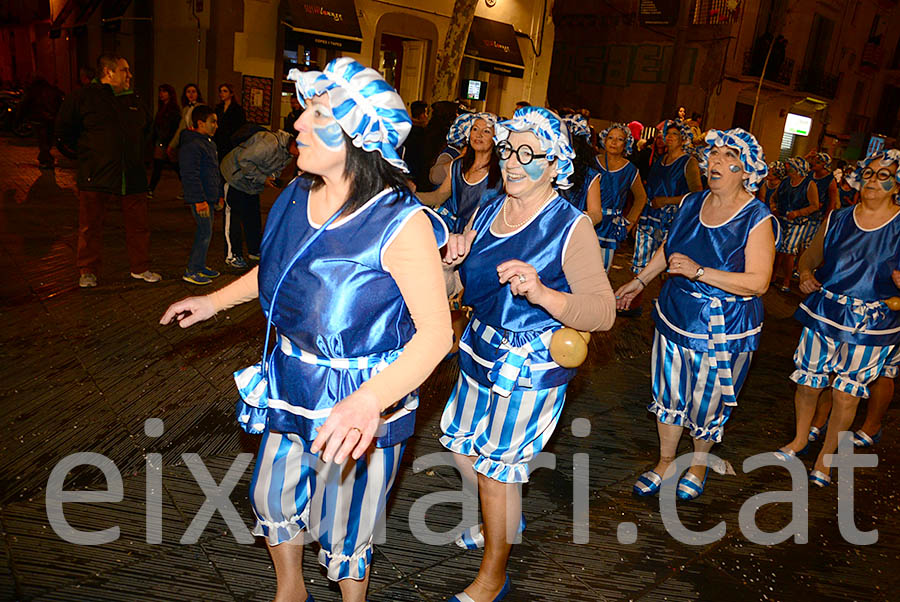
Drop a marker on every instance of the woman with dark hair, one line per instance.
(585, 190)
(165, 124)
(473, 176)
(190, 98)
(231, 117)
(351, 278)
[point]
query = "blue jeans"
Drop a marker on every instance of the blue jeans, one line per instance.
(202, 237)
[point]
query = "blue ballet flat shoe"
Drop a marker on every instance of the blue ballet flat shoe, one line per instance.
(861, 439)
(473, 537)
(690, 487)
(783, 454)
(816, 433)
(819, 478)
(647, 484)
(464, 597)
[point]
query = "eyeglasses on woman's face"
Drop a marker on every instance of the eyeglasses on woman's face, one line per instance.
(882, 175)
(524, 154)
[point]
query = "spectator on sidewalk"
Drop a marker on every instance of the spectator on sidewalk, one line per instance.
(231, 116)
(40, 105)
(202, 187)
(248, 169)
(165, 124)
(110, 126)
(190, 98)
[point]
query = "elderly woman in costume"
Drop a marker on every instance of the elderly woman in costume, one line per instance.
(585, 190)
(766, 190)
(351, 278)
(530, 264)
(473, 176)
(796, 201)
(672, 176)
(618, 177)
(850, 335)
(708, 316)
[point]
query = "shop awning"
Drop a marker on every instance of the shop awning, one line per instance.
(324, 24)
(494, 45)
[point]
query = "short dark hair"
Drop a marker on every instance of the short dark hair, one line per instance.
(523, 103)
(107, 60)
(368, 173)
(200, 113)
(418, 108)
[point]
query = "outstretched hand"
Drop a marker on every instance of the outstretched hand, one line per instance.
(189, 311)
(458, 247)
(627, 293)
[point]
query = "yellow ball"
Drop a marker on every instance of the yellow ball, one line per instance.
(893, 303)
(568, 347)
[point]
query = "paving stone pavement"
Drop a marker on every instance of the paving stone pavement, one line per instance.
(83, 369)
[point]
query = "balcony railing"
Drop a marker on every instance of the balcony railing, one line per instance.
(776, 73)
(817, 82)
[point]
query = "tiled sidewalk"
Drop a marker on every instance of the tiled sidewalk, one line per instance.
(83, 369)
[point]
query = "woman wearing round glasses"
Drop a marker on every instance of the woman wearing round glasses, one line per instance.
(850, 268)
(350, 276)
(530, 264)
(473, 176)
(708, 316)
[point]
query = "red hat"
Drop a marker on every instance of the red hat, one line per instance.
(636, 128)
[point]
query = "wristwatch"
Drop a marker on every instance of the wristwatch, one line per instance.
(697, 276)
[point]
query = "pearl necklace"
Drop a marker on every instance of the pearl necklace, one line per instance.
(523, 222)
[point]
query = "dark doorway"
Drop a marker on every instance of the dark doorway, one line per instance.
(743, 113)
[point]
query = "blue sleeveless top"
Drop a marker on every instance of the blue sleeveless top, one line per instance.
(665, 180)
(541, 242)
(578, 196)
(450, 151)
(846, 196)
(614, 187)
(822, 184)
(464, 198)
(337, 301)
(792, 198)
(682, 311)
(856, 276)
(768, 192)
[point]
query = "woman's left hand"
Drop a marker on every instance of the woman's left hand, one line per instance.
(682, 265)
(350, 428)
(523, 280)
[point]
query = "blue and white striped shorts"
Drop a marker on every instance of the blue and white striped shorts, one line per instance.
(340, 506)
(647, 239)
(892, 367)
(504, 433)
(818, 357)
(796, 235)
(687, 393)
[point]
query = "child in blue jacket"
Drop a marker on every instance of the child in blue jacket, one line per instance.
(199, 165)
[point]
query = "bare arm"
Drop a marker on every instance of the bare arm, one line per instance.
(640, 199)
(438, 197)
(594, 202)
(834, 200)
(440, 169)
(196, 309)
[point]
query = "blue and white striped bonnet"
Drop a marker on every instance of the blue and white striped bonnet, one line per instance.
(885, 157)
(367, 108)
(578, 125)
(749, 152)
(778, 169)
(458, 135)
(824, 158)
(629, 139)
(551, 133)
(687, 135)
(799, 164)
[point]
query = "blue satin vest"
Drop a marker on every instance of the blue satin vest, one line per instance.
(858, 265)
(822, 185)
(792, 198)
(450, 151)
(337, 300)
(679, 314)
(614, 187)
(665, 180)
(768, 192)
(464, 198)
(578, 196)
(540, 243)
(846, 196)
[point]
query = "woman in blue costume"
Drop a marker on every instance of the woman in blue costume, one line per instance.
(847, 194)
(454, 137)
(672, 176)
(709, 313)
(530, 264)
(766, 191)
(618, 177)
(585, 190)
(849, 334)
(826, 191)
(796, 200)
(473, 177)
(351, 278)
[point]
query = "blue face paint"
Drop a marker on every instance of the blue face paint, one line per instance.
(502, 163)
(331, 136)
(887, 184)
(534, 171)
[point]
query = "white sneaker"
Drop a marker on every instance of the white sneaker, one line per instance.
(147, 276)
(87, 281)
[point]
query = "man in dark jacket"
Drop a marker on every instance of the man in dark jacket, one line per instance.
(109, 126)
(254, 164)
